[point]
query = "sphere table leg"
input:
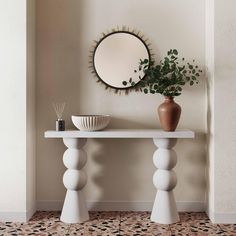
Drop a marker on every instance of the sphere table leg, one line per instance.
(74, 208)
(164, 209)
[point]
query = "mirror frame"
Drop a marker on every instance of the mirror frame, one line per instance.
(138, 36)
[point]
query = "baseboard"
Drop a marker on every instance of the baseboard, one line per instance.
(221, 218)
(17, 216)
(30, 212)
(210, 214)
(49, 205)
(121, 206)
(13, 217)
(191, 206)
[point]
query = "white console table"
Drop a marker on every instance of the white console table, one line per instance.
(164, 209)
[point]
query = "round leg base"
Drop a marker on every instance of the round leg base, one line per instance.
(74, 208)
(164, 209)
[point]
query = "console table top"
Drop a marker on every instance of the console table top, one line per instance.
(120, 133)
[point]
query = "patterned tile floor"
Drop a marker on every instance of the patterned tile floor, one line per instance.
(115, 224)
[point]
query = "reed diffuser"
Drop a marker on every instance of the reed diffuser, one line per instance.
(59, 109)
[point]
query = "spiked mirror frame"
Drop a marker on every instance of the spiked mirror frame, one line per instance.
(127, 30)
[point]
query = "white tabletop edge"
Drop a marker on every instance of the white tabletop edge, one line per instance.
(120, 133)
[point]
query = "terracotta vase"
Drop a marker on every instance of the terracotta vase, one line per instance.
(169, 114)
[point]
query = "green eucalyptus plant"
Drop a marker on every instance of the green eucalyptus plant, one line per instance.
(168, 77)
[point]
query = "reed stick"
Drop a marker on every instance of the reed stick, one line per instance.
(59, 109)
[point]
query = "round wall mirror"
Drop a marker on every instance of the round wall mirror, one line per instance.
(116, 59)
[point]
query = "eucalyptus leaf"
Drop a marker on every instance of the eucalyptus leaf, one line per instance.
(175, 52)
(166, 77)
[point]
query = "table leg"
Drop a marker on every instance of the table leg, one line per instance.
(74, 208)
(164, 209)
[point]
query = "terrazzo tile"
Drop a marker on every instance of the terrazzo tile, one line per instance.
(100, 223)
(111, 215)
(7, 229)
(130, 217)
(228, 229)
(144, 230)
(197, 227)
(139, 215)
(116, 224)
(139, 223)
(192, 216)
(42, 228)
(92, 232)
(42, 223)
(46, 216)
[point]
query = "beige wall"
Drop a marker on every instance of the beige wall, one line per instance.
(118, 170)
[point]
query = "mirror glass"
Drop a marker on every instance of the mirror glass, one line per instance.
(116, 58)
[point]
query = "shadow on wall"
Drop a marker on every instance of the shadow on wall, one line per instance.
(209, 136)
(58, 32)
(121, 167)
(127, 160)
(194, 157)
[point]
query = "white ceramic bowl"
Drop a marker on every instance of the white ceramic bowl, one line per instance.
(91, 122)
